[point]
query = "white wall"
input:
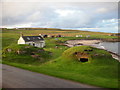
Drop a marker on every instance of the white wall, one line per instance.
(21, 41)
(40, 44)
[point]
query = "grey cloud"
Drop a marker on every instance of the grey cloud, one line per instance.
(45, 15)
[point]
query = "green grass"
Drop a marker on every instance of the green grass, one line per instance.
(25, 56)
(99, 71)
(11, 36)
(99, 75)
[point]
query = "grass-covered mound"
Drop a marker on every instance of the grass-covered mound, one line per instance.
(101, 70)
(94, 55)
(25, 54)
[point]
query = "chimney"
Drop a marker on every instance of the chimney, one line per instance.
(21, 34)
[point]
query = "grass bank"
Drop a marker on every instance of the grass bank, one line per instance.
(99, 71)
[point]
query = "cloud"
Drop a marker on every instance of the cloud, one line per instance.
(60, 0)
(71, 18)
(60, 15)
(102, 10)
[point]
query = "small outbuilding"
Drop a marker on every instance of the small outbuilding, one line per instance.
(36, 41)
(59, 36)
(79, 36)
(45, 36)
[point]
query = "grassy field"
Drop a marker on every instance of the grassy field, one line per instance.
(99, 71)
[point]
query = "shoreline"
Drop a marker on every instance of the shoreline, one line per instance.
(93, 43)
(84, 42)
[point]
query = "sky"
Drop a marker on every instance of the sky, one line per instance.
(97, 15)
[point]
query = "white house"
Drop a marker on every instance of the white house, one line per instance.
(78, 35)
(87, 36)
(36, 41)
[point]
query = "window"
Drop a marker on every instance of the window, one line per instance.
(39, 38)
(33, 44)
(28, 38)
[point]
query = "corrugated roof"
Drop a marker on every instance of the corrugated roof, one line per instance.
(32, 38)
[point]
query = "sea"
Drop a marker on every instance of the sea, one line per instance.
(110, 46)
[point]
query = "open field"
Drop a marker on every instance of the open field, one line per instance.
(11, 36)
(102, 71)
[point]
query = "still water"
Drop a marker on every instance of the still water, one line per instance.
(110, 46)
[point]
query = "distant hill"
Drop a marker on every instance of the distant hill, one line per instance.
(55, 29)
